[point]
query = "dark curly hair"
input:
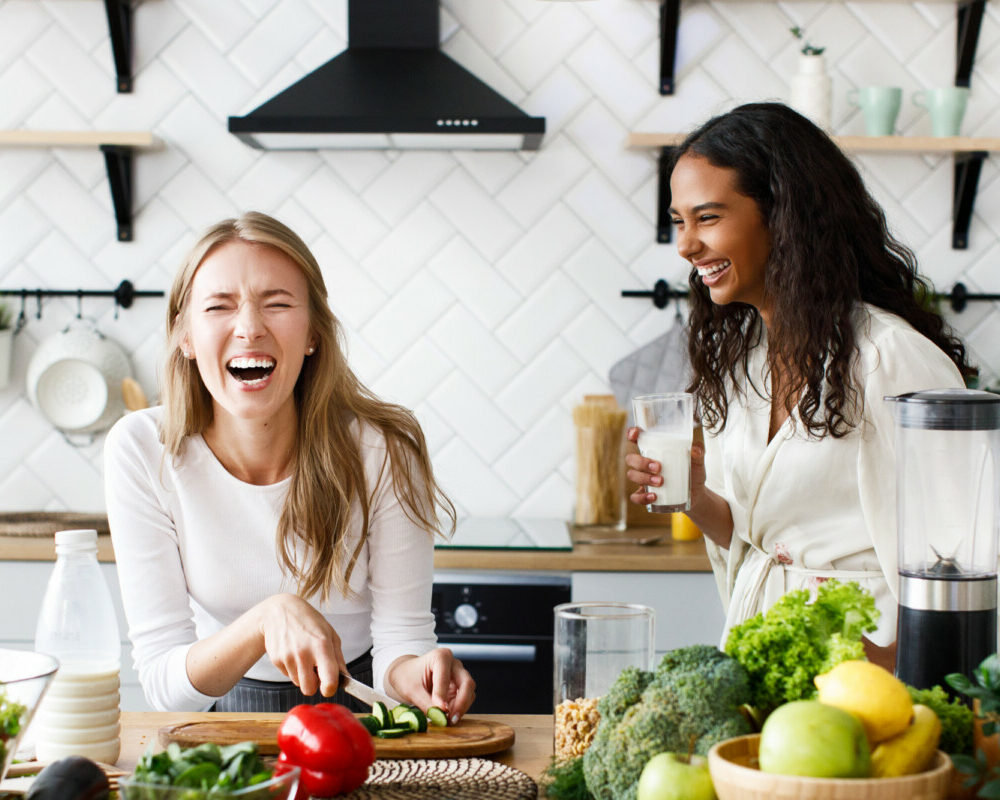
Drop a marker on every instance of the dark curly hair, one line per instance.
(830, 250)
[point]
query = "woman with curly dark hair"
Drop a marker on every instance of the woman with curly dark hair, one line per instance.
(805, 312)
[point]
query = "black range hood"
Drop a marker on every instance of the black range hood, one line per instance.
(391, 88)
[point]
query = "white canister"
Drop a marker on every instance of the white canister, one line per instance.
(812, 93)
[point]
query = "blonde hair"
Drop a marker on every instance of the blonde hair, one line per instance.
(328, 470)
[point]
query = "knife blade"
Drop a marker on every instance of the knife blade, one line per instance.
(365, 693)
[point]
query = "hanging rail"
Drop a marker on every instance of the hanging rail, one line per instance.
(661, 294)
(124, 293)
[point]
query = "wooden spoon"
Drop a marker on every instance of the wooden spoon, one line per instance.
(133, 395)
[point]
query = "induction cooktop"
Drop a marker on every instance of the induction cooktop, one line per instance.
(510, 534)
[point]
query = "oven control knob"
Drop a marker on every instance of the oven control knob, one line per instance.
(466, 615)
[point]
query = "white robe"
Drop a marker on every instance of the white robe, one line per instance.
(806, 509)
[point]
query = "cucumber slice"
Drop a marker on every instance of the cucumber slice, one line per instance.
(392, 733)
(415, 719)
(398, 711)
(371, 723)
(381, 714)
(437, 717)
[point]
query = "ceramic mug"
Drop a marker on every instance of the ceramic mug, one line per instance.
(880, 106)
(946, 106)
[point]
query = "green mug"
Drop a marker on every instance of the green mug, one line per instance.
(946, 106)
(880, 106)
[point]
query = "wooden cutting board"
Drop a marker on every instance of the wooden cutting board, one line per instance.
(471, 737)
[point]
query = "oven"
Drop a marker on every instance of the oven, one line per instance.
(501, 627)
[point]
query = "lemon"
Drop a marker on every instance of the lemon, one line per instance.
(870, 692)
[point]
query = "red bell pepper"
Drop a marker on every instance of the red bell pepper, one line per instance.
(326, 741)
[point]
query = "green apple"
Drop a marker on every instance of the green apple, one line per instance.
(675, 776)
(807, 737)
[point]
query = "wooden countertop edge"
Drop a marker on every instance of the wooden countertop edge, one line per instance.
(665, 556)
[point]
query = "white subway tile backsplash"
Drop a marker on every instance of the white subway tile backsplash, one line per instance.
(542, 249)
(195, 199)
(55, 455)
(603, 277)
(597, 132)
(477, 215)
(21, 23)
(23, 90)
(544, 314)
(557, 99)
(72, 209)
(540, 384)
(355, 226)
(405, 315)
(473, 349)
(471, 483)
(474, 415)
(406, 183)
(546, 44)
(222, 22)
(210, 76)
(624, 22)
(406, 247)
(494, 25)
(268, 181)
(537, 452)
(274, 40)
(553, 171)
(414, 375)
(597, 340)
(63, 62)
(354, 297)
(611, 217)
(612, 77)
(479, 287)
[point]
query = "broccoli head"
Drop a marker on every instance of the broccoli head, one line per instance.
(691, 699)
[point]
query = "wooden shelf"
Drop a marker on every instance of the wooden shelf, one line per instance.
(858, 144)
(117, 148)
(25, 138)
(968, 152)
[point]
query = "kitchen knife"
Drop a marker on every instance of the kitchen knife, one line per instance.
(364, 693)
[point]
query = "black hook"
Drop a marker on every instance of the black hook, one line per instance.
(22, 319)
(38, 303)
(79, 303)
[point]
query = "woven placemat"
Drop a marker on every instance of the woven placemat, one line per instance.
(451, 778)
(46, 523)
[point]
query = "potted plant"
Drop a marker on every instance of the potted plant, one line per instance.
(6, 343)
(812, 94)
(982, 770)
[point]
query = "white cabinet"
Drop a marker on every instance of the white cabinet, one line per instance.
(26, 580)
(687, 604)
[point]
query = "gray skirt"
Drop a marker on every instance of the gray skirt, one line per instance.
(271, 696)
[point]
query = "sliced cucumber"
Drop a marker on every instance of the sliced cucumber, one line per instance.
(437, 717)
(371, 723)
(415, 719)
(381, 714)
(398, 711)
(392, 733)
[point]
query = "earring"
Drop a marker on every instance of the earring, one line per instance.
(310, 350)
(186, 354)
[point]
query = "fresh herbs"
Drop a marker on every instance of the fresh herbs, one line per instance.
(11, 714)
(799, 638)
(985, 690)
(207, 770)
(564, 780)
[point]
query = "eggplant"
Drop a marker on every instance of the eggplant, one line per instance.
(71, 778)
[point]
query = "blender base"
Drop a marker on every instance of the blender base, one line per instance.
(932, 644)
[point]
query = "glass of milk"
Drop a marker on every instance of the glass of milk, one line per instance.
(667, 423)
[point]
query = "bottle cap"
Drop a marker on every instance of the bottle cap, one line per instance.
(76, 541)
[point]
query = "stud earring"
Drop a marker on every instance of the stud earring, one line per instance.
(186, 354)
(310, 350)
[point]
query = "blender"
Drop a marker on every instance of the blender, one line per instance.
(948, 506)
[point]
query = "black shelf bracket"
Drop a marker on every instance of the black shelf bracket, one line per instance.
(120, 29)
(670, 15)
(967, 169)
(970, 20)
(661, 294)
(118, 160)
(664, 227)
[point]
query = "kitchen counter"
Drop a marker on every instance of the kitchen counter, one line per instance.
(530, 753)
(664, 556)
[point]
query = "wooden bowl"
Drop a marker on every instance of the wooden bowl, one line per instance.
(733, 765)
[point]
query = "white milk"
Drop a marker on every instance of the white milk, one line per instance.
(79, 714)
(674, 454)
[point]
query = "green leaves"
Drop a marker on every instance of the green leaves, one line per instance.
(807, 49)
(208, 770)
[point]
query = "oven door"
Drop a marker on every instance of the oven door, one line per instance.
(512, 677)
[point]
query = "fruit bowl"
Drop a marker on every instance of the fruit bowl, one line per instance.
(733, 766)
(24, 677)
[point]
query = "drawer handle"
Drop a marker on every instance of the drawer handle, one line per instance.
(492, 652)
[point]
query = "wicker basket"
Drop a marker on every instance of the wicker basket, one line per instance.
(46, 523)
(732, 764)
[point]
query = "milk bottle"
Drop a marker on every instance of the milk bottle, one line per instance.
(79, 714)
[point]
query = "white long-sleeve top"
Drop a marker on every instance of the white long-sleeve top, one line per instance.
(195, 548)
(806, 509)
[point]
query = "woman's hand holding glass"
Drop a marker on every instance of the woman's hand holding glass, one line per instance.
(436, 678)
(646, 472)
